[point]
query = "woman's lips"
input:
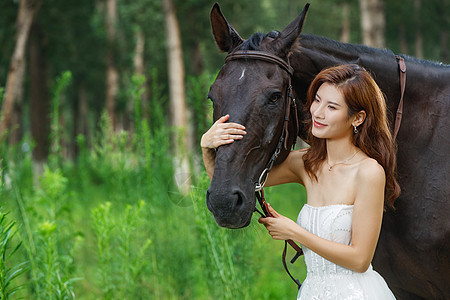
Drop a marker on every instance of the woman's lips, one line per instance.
(318, 124)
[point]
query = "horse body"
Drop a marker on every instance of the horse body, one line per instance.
(413, 248)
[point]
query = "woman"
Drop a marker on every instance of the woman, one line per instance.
(349, 176)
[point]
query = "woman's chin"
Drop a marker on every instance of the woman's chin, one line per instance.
(318, 134)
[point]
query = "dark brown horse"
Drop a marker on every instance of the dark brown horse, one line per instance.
(414, 246)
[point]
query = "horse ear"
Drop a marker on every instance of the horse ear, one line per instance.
(288, 37)
(225, 35)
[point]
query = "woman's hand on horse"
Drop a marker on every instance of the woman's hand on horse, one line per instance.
(222, 133)
(279, 226)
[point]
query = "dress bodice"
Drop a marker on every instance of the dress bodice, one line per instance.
(334, 223)
(326, 280)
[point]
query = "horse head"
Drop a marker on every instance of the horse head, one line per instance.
(253, 92)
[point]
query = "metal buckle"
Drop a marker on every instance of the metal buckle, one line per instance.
(260, 184)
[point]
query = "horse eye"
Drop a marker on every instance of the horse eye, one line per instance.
(275, 97)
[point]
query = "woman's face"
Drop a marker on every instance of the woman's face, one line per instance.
(330, 114)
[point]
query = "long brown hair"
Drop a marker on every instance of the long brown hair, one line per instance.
(374, 137)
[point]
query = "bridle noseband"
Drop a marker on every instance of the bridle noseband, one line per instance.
(290, 104)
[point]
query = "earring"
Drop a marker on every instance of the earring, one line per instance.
(355, 130)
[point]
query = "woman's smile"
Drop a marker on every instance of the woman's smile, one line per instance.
(318, 124)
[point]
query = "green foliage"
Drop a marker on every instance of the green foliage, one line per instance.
(56, 131)
(8, 273)
(226, 279)
(2, 94)
(200, 106)
(52, 260)
(112, 225)
(126, 236)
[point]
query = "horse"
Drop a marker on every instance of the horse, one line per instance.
(414, 244)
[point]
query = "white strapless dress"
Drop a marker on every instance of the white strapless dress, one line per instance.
(326, 280)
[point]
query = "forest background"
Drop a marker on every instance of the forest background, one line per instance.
(103, 104)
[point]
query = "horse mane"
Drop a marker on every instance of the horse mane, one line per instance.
(255, 40)
(318, 41)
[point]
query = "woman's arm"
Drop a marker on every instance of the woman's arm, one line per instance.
(220, 133)
(290, 170)
(366, 224)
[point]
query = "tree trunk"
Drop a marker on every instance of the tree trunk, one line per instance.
(139, 68)
(112, 75)
(15, 122)
(138, 60)
(178, 108)
(403, 41)
(419, 37)
(83, 110)
(28, 10)
(444, 49)
(345, 29)
(40, 106)
(373, 22)
(197, 57)
(445, 24)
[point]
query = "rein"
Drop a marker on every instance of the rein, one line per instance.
(290, 105)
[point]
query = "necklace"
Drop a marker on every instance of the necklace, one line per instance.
(344, 161)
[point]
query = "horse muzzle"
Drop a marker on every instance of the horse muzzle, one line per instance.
(231, 207)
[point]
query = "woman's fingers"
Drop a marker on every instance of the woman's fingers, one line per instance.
(274, 213)
(222, 119)
(222, 133)
(232, 126)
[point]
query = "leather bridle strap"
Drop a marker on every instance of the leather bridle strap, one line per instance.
(265, 213)
(260, 55)
(398, 117)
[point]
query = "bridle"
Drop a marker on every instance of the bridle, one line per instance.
(283, 141)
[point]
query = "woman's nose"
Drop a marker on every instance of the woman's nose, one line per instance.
(317, 111)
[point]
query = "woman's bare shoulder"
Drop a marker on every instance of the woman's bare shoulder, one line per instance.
(296, 156)
(371, 173)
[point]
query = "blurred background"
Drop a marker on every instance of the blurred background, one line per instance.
(103, 104)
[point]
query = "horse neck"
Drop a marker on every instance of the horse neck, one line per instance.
(316, 53)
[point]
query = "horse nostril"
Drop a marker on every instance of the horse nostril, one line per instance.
(239, 200)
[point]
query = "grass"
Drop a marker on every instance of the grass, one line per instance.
(112, 225)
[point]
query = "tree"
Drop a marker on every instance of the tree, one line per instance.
(419, 38)
(373, 22)
(28, 10)
(345, 25)
(112, 74)
(39, 97)
(178, 108)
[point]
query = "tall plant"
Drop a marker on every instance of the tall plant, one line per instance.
(8, 271)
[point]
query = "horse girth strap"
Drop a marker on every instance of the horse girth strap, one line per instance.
(398, 117)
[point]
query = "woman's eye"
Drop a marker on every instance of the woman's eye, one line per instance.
(331, 107)
(275, 97)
